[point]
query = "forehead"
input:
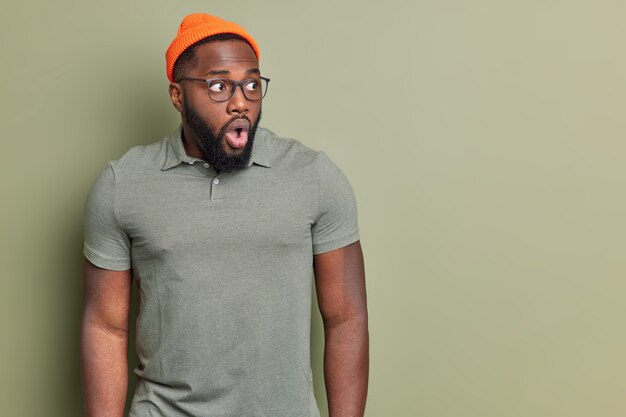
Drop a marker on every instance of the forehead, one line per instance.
(230, 55)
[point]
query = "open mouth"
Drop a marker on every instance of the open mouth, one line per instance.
(237, 133)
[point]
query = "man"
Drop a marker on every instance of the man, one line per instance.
(222, 225)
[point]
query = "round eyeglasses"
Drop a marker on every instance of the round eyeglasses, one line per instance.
(222, 89)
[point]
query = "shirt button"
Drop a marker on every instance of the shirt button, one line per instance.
(216, 181)
(206, 165)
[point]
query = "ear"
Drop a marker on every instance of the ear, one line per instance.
(176, 95)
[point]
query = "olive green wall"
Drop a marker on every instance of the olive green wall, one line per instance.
(485, 143)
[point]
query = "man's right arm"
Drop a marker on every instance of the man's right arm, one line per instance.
(104, 340)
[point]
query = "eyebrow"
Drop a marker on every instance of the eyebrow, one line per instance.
(226, 72)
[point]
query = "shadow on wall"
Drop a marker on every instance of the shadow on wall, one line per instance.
(139, 110)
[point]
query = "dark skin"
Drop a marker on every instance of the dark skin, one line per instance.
(340, 284)
(104, 340)
(232, 59)
(339, 274)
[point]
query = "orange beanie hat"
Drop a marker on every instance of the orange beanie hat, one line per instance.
(198, 26)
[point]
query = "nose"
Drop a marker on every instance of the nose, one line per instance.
(238, 103)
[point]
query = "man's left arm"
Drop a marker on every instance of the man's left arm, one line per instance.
(340, 284)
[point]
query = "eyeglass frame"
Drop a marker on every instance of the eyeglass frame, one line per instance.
(235, 85)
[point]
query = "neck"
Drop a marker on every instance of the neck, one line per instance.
(190, 143)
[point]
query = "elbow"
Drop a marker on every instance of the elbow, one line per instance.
(111, 330)
(355, 318)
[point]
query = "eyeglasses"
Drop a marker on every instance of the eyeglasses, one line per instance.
(222, 89)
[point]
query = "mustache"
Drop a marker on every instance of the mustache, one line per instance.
(234, 119)
(224, 128)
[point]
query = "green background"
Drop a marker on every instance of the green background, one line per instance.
(485, 143)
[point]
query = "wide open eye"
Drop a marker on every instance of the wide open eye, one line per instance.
(252, 85)
(218, 87)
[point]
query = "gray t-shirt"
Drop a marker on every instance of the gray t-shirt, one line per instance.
(223, 263)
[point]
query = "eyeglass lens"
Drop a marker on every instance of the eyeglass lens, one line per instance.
(223, 89)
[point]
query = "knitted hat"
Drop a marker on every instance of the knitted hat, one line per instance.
(197, 26)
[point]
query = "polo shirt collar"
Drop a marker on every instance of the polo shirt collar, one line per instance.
(261, 153)
(175, 150)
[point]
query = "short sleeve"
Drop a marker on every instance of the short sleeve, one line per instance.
(106, 245)
(336, 224)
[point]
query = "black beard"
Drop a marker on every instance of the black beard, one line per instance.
(212, 145)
